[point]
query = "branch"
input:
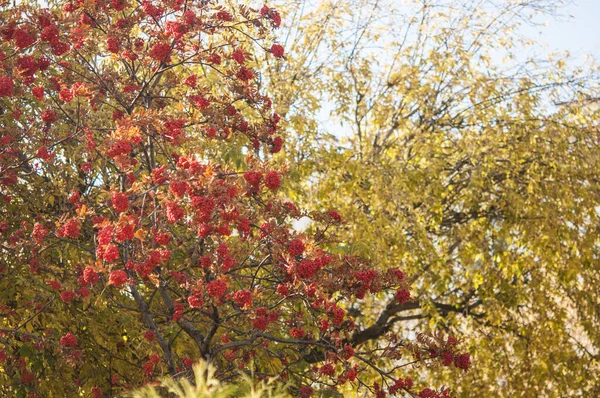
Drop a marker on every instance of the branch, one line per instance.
(152, 326)
(387, 319)
(382, 324)
(186, 325)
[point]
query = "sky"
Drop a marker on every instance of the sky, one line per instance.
(578, 33)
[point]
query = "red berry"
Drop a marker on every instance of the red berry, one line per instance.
(195, 301)
(402, 295)
(120, 202)
(90, 276)
(462, 361)
(277, 50)
(67, 296)
(216, 288)
(111, 253)
(296, 247)
(243, 298)
(297, 333)
(117, 278)
(272, 180)
(160, 52)
(6, 86)
(68, 340)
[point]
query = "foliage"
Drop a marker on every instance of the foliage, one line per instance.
(456, 159)
(206, 385)
(142, 224)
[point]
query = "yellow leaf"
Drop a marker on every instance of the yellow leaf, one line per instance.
(140, 234)
(81, 211)
(154, 279)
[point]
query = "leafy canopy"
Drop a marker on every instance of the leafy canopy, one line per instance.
(142, 224)
(475, 176)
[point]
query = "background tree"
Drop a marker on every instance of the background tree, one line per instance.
(477, 176)
(142, 228)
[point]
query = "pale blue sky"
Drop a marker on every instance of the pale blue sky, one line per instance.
(579, 34)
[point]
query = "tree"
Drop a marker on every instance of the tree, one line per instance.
(142, 224)
(476, 177)
(206, 385)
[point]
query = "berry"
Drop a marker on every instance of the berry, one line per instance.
(149, 335)
(216, 288)
(38, 92)
(178, 187)
(117, 278)
(402, 295)
(6, 86)
(253, 178)
(120, 202)
(111, 253)
(272, 180)
(297, 333)
(69, 229)
(112, 45)
(48, 116)
(67, 296)
(68, 340)
(160, 52)
(39, 233)
(462, 361)
(195, 301)
(447, 358)
(243, 298)
(65, 95)
(245, 74)
(90, 276)
(174, 212)
(22, 38)
(327, 369)
(260, 323)
(296, 247)
(277, 50)
(238, 56)
(54, 285)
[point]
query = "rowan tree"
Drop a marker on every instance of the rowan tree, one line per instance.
(142, 224)
(466, 164)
